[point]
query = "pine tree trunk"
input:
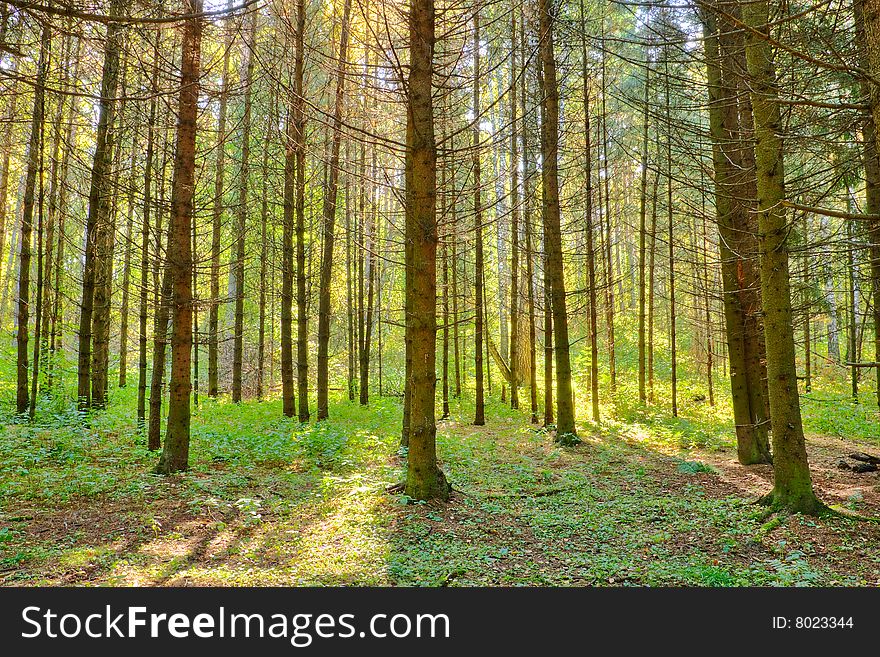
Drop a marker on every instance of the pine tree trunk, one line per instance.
(738, 273)
(329, 225)
(424, 479)
(565, 421)
(871, 161)
(217, 212)
(480, 408)
(288, 389)
(643, 210)
(302, 341)
(175, 452)
(792, 487)
(264, 256)
(145, 236)
(514, 223)
(242, 212)
(34, 158)
(588, 226)
(100, 200)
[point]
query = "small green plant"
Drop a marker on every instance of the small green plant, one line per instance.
(695, 467)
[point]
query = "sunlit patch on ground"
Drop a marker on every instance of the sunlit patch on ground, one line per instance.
(645, 500)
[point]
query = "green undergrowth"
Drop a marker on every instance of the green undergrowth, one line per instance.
(268, 501)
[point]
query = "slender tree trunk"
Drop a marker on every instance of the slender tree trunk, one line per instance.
(670, 216)
(288, 390)
(643, 209)
(456, 356)
(370, 264)
(264, 256)
(8, 145)
(104, 248)
(652, 251)
(792, 487)
(588, 225)
(565, 422)
(55, 333)
(100, 200)
(808, 345)
(299, 134)
(871, 160)
(162, 303)
(145, 236)
(35, 379)
(34, 158)
(329, 217)
(175, 452)
(480, 409)
(424, 478)
(216, 225)
(126, 273)
(242, 211)
(602, 145)
(514, 224)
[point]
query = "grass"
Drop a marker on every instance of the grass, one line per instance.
(645, 500)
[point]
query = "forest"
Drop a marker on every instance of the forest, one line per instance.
(420, 293)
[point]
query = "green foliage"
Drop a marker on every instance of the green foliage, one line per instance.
(695, 467)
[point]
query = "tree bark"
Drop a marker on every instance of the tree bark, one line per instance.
(565, 421)
(329, 225)
(480, 408)
(242, 212)
(100, 200)
(792, 486)
(217, 211)
(424, 480)
(175, 452)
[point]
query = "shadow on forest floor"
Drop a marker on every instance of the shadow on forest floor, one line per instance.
(270, 502)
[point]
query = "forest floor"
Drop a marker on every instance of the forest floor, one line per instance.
(271, 502)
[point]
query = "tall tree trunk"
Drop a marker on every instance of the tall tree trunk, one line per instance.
(736, 244)
(264, 256)
(126, 272)
(588, 225)
(100, 200)
(145, 234)
(291, 146)
(217, 211)
(480, 408)
(175, 452)
(792, 487)
(643, 210)
(104, 250)
(456, 355)
(528, 197)
(40, 156)
(565, 422)
(34, 158)
(242, 211)
(162, 313)
(370, 265)
(514, 223)
(670, 216)
(652, 251)
(302, 338)
(424, 478)
(871, 162)
(329, 224)
(605, 223)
